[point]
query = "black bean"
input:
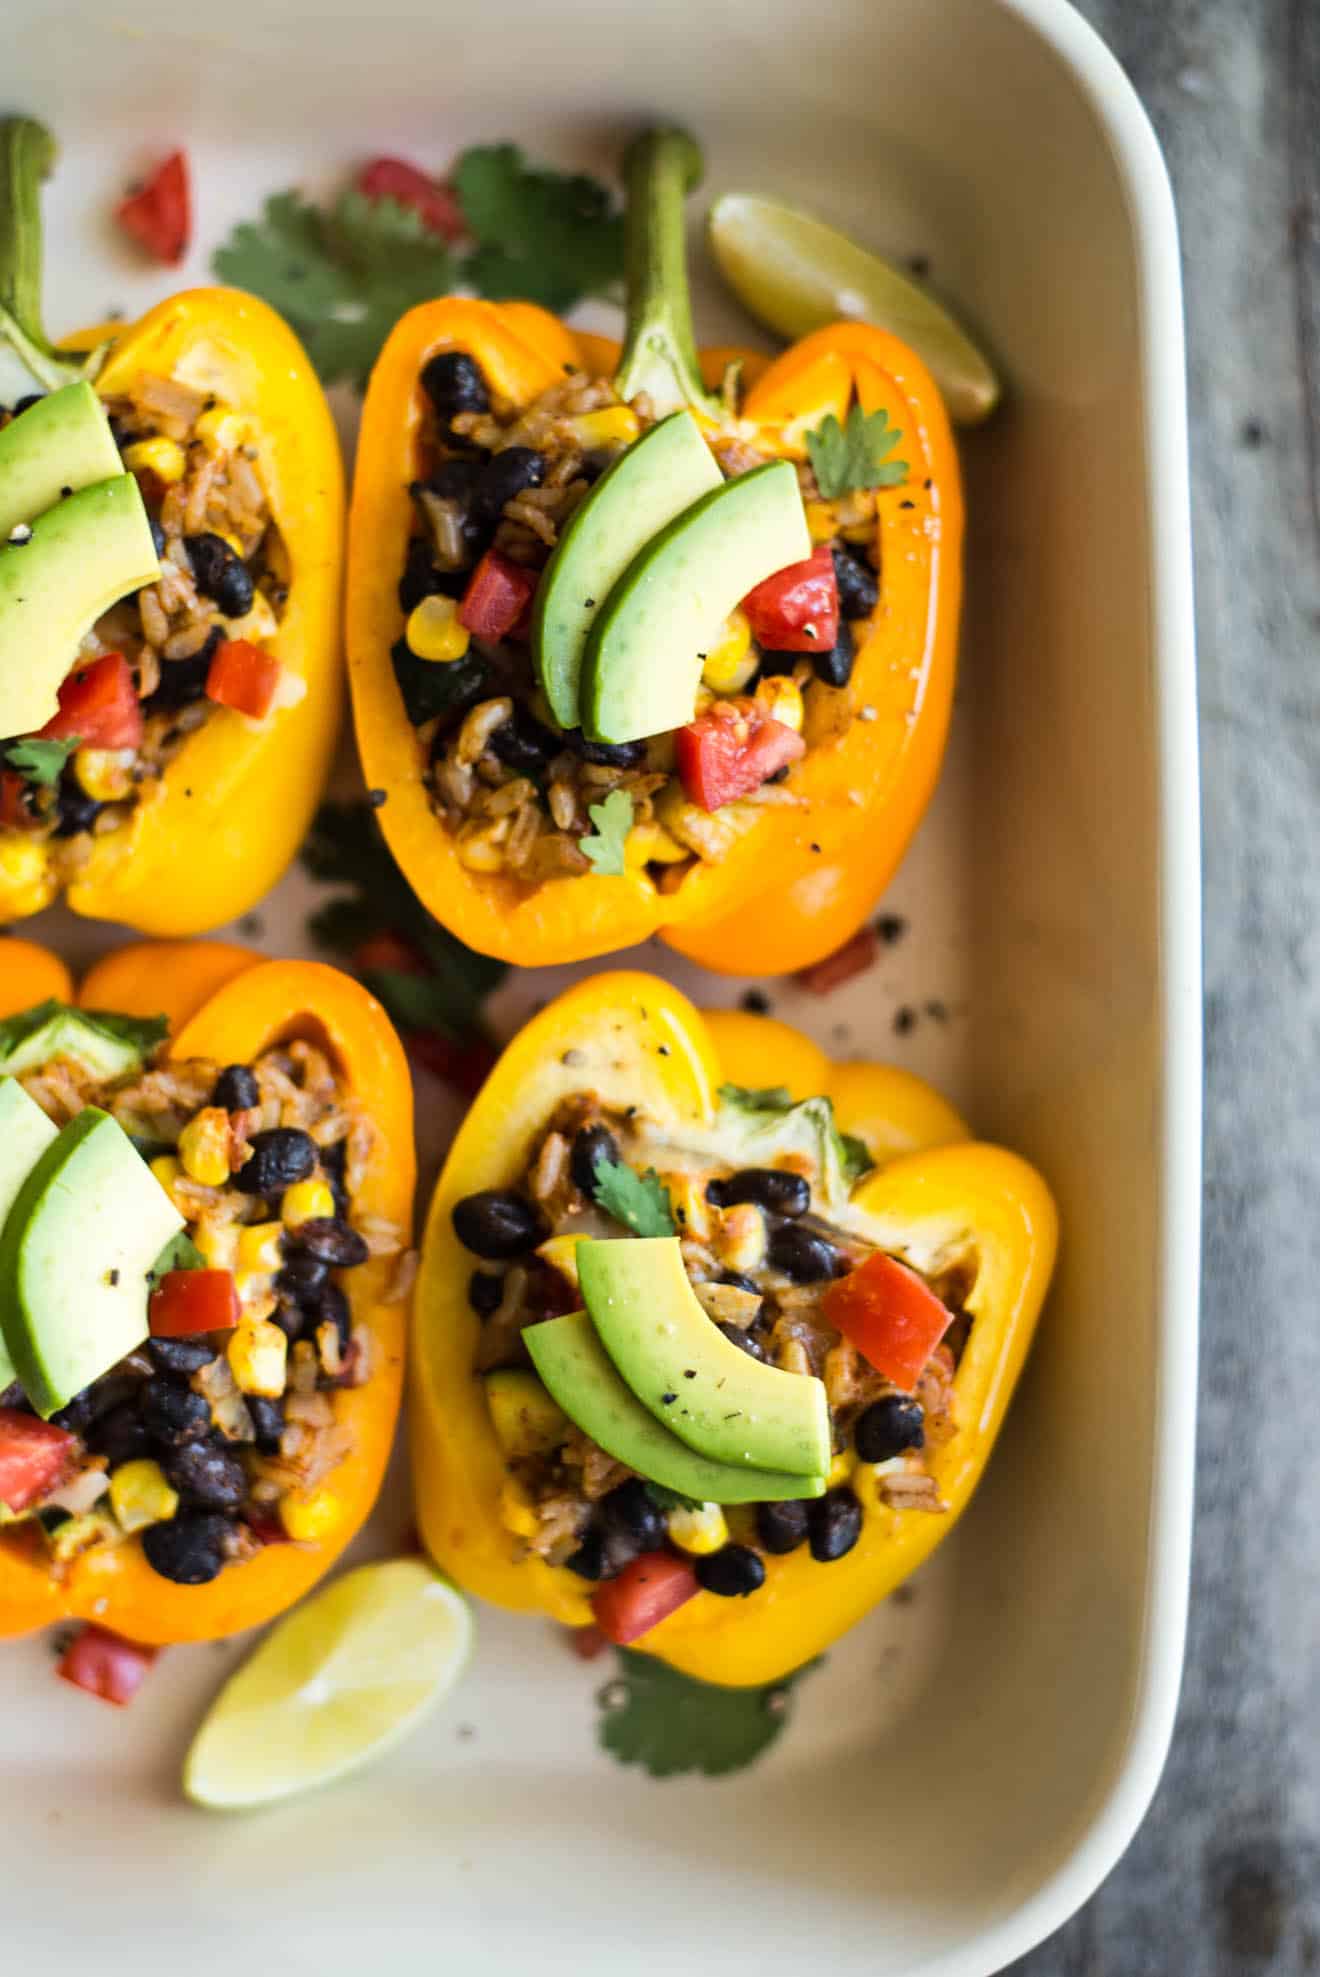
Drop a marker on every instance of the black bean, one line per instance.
(769, 1187)
(280, 1156)
(732, 1572)
(302, 1279)
(742, 1337)
(172, 1414)
(774, 665)
(182, 1357)
(524, 743)
(593, 1147)
(334, 1165)
(209, 1474)
(292, 1317)
(888, 1426)
(189, 1549)
(859, 592)
(834, 1523)
(236, 1089)
(629, 1512)
(485, 1292)
(835, 667)
(334, 1309)
(268, 1421)
(434, 692)
(330, 1240)
(157, 536)
(736, 1279)
(26, 403)
(422, 577)
(452, 480)
(600, 1555)
(608, 754)
(505, 476)
(497, 1224)
(453, 382)
(220, 573)
(804, 1256)
(183, 681)
(120, 1436)
(715, 1193)
(76, 811)
(101, 1398)
(781, 1527)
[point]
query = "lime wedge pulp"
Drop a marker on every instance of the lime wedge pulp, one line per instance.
(795, 274)
(344, 1677)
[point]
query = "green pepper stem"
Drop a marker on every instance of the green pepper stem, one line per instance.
(660, 169)
(27, 154)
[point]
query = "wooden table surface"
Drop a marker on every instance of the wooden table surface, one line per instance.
(1224, 1878)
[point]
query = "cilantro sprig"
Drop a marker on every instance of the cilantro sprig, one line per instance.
(639, 1201)
(670, 1724)
(344, 274)
(605, 847)
(37, 761)
(855, 454)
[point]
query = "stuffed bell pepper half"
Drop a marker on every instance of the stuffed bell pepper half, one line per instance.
(206, 1175)
(171, 512)
(712, 1337)
(637, 639)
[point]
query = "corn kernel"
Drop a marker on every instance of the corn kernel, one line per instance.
(560, 1252)
(261, 1248)
(731, 661)
(481, 850)
(26, 881)
(204, 1147)
(105, 774)
(260, 624)
(164, 458)
(434, 632)
(821, 521)
(687, 1200)
(222, 429)
(780, 698)
(700, 1531)
(517, 1513)
(307, 1201)
(309, 1517)
(613, 425)
(140, 1495)
(526, 1420)
(167, 1174)
(78, 1534)
(648, 844)
(740, 1236)
(841, 1468)
(218, 1244)
(258, 1358)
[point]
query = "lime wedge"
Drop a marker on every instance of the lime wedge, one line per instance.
(341, 1679)
(796, 275)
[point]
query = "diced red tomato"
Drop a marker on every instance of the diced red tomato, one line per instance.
(588, 1643)
(244, 677)
(35, 1456)
(388, 950)
(645, 1593)
(188, 1301)
(892, 1317)
(14, 812)
(498, 597)
(106, 1666)
(462, 1063)
(158, 214)
(99, 706)
(728, 751)
(797, 609)
(265, 1527)
(435, 204)
(833, 970)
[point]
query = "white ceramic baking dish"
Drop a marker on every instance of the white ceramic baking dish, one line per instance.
(972, 1762)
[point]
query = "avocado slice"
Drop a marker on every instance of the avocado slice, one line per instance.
(59, 445)
(81, 557)
(645, 650)
(25, 1133)
(726, 1405)
(582, 1377)
(659, 476)
(105, 1046)
(80, 1239)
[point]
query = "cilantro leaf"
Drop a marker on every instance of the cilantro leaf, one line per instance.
(40, 762)
(346, 848)
(21, 1035)
(668, 1499)
(542, 236)
(179, 1253)
(852, 455)
(670, 1724)
(613, 819)
(145, 1033)
(756, 1098)
(639, 1201)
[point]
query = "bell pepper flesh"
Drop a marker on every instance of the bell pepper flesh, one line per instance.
(243, 677)
(227, 1004)
(797, 609)
(891, 1316)
(497, 598)
(190, 1301)
(34, 1455)
(644, 1593)
(434, 204)
(158, 215)
(105, 1666)
(635, 1040)
(99, 706)
(730, 750)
